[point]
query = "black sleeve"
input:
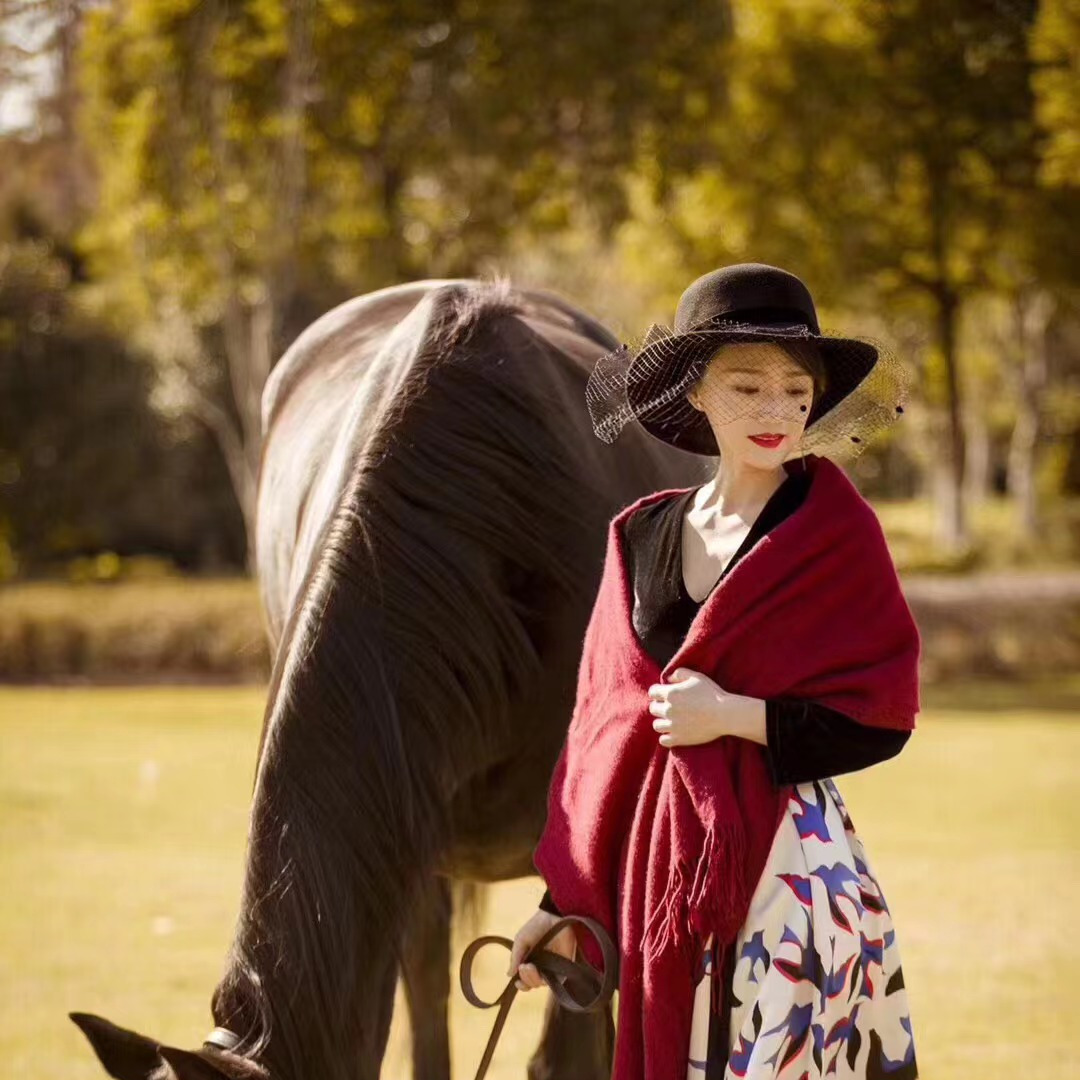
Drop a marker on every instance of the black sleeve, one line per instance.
(810, 741)
(547, 904)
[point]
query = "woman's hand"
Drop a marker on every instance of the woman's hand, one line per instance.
(693, 709)
(564, 943)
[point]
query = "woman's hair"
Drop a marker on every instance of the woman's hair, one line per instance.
(808, 356)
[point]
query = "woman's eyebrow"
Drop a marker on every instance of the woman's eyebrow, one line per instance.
(751, 371)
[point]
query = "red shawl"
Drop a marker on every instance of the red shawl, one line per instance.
(663, 845)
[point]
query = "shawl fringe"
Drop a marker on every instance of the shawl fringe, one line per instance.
(702, 898)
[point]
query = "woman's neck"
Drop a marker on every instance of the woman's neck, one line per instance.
(736, 489)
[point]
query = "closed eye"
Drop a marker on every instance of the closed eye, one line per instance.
(754, 390)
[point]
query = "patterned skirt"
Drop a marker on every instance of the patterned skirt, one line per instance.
(814, 979)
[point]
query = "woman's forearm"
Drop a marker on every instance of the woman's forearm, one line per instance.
(807, 740)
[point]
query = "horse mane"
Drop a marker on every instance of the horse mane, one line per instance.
(420, 622)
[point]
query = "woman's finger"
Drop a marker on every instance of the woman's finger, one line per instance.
(529, 975)
(516, 952)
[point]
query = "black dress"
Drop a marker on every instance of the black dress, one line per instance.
(805, 740)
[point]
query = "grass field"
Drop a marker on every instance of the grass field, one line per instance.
(122, 824)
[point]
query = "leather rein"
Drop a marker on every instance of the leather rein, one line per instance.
(577, 985)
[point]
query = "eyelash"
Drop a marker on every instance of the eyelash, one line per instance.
(753, 390)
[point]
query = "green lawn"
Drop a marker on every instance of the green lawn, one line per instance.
(122, 824)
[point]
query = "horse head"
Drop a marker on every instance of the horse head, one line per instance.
(127, 1055)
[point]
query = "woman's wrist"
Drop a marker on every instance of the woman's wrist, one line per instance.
(747, 719)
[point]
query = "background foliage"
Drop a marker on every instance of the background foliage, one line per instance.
(194, 183)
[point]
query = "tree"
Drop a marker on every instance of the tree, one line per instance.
(876, 146)
(248, 153)
(1033, 270)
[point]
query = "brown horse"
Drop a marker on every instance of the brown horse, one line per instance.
(432, 516)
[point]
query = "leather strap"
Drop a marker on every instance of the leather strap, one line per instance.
(577, 985)
(222, 1038)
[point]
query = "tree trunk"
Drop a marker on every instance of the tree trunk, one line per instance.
(1031, 316)
(978, 448)
(248, 353)
(952, 519)
(253, 330)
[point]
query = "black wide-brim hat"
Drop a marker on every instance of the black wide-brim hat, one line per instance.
(748, 302)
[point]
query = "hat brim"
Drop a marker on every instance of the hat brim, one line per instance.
(847, 360)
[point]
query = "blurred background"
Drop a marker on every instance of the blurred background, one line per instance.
(186, 185)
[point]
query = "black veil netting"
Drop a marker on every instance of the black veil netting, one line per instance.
(864, 389)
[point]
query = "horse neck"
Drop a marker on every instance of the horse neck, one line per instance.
(345, 826)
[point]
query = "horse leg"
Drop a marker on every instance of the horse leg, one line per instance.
(426, 972)
(574, 1046)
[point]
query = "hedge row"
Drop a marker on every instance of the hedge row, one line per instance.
(1007, 626)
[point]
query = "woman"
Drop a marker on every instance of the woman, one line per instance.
(797, 973)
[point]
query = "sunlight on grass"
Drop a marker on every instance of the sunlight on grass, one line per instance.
(124, 815)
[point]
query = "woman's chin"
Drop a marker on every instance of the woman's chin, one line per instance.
(763, 456)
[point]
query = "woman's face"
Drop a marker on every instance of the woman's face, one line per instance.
(753, 389)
